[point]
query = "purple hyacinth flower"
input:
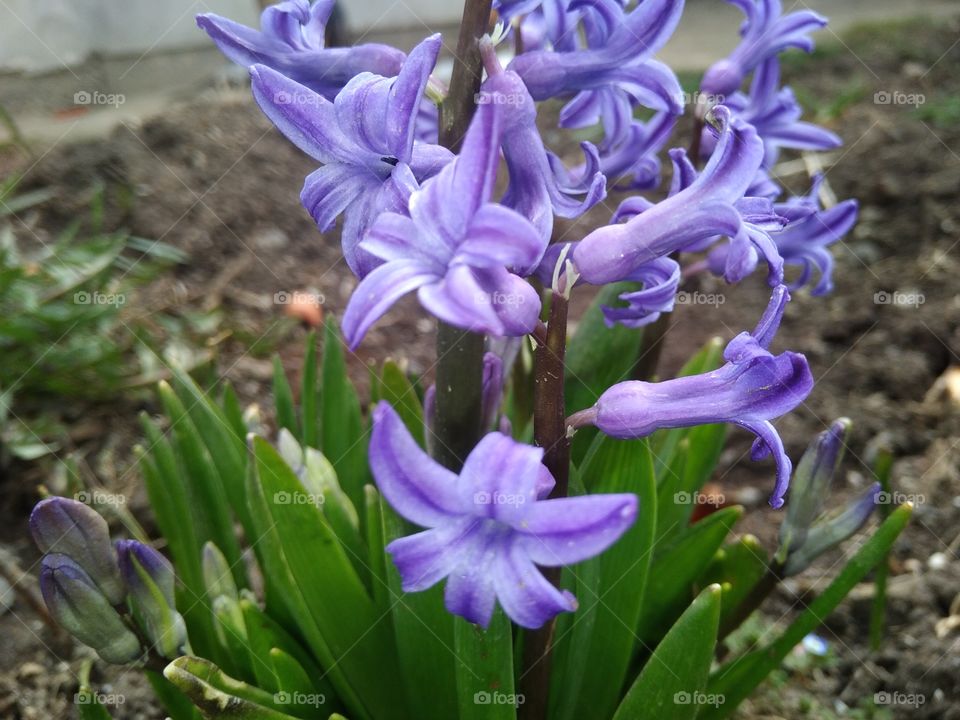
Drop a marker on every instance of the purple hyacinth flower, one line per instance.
(465, 256)
(365, 140)
(806, 238)
(775, 113)
(71, 528)
(490, 527)
(291, 41)
(701, 208)
(765, 33)
(660, 278)
(616, 61)
(750, 390)
(79, 606)
(150, 579)
(534, 190)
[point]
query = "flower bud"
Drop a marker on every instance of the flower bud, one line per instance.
(217, 576)
(68, 527)
(830, 532)
(80, 607)
(811, 485)
(150, 580)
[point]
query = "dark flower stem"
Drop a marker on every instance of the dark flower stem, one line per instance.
(460, 353)
(550, 433)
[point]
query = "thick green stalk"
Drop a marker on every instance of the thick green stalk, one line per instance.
(456, 423)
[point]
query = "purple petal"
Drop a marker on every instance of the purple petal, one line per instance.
(527, 597)
(416, 486)
(499, 236)
(329, 191)
(425, 558)
(564, 531)
(470, 588)
(501, 478)
(377, 293)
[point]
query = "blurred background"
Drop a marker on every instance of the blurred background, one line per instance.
(149, 216)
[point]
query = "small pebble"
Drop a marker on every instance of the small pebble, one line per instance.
(938, 561)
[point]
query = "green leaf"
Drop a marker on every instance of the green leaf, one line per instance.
(376, 558)
(309, 395)
(672, 681)
(89, 707)
(220, 696)
(677, 567)
(396, 389)
(177, 705)
(613, 466)
(297, 692)
(737, 567)
(738, 678)
(335, 596)
(424, 632)
(208, 499)
(485, 669)
(597, 357)
(283, 399)
(266, 634)
(343, 439)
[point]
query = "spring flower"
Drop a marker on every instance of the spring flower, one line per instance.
(534, 190)
(775, 113)
(660, 278)
(364, 139)
(465, 255)
(765, 33)
(701, 208)
(489, 527)
(79, 606)
(150, 580)
(805, 240)
(291, 42)
(614, 71)
(73, 529)
(750, 390)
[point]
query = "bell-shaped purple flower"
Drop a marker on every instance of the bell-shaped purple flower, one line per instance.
(750, 390)
(660, 278)
(765, 33)
(291, 41)
(617, 59)
(775, 113)
(465, 256)
(700, 209)
(535, 190)
(71, 528)
(150, 580)
(79, 606)
(804, 241)
(365, 140)
(490, 527)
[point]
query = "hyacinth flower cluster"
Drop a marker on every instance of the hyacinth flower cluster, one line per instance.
(512, 491)
(419, 218)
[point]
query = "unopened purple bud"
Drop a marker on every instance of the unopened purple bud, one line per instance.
(150, 579)
(69, 527)
(811, 484)
(78, 605)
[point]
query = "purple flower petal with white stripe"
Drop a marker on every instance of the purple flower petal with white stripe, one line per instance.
(489, 528)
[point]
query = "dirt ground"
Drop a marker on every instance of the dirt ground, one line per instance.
(214, 179)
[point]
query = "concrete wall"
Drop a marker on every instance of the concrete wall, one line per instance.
(41, 35)
(379, 15)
